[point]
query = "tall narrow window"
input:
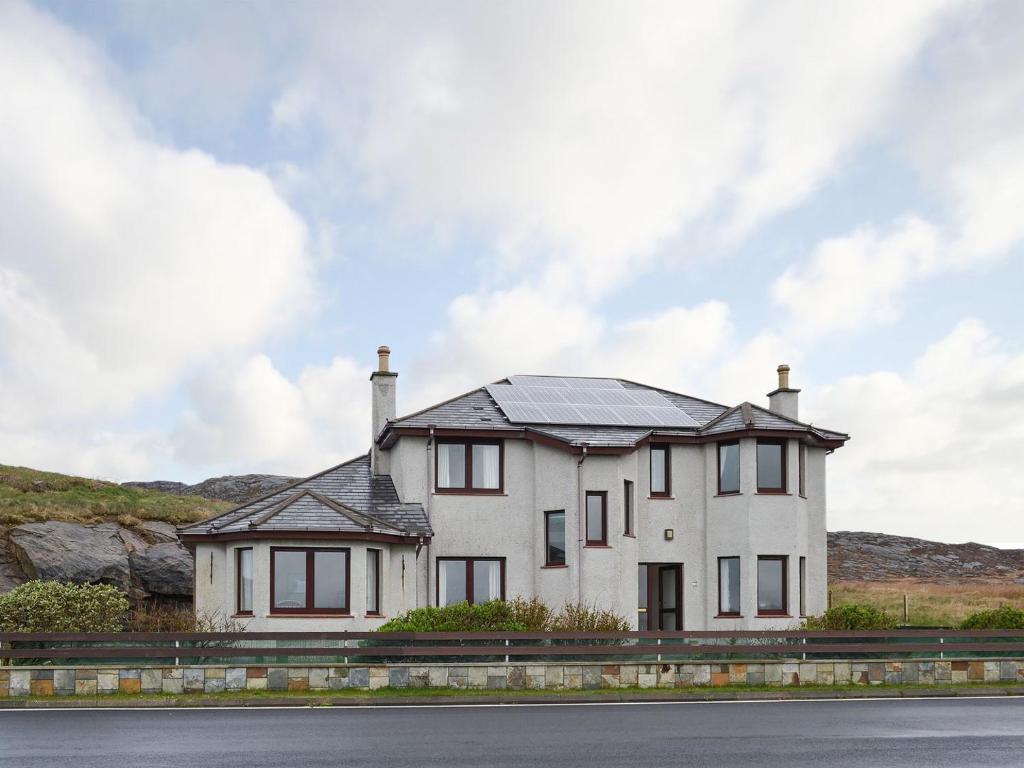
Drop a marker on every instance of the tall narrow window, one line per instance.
(467, 466)
(471, 579)
(771, 585)
(597, 518)
(243, 567)
(803, 469)
(309, 580)
(728, 586)
(627, 508)
(554, 537)
(642, 622)
(729, 467)
(661, 470)
(771, 466)
(803, 586)
(373, 582)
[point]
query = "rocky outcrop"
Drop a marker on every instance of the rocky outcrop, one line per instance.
(863, 556)
(106, 553)
(236, 488)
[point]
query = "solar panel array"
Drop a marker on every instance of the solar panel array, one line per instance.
(596, 402)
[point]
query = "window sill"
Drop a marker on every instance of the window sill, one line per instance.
(374, 616)
(657, 497)
(774, 616)
(761, 492)
(728, 493)
(309, 616)
(803, 495)
(554, 566)
(729, 616)
(629, 535)
(597, 546)
(463, 492)
(241, 615)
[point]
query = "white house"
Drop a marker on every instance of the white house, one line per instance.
(676, 512)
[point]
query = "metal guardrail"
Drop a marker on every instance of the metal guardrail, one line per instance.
(369, 647)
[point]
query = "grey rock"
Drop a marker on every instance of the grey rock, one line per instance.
(163, 569)
(158, 532)
(277, 679)
(72, 552)
(237, 488)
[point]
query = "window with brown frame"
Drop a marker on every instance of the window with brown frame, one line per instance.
(373, 582)
(771, 466)
(309, 580)
(597, 518)
(728, 586)
(628, 527)
(470, 579)
(802, 462)
(661, 470)
(729, 467)
(243, 584)
(803, 586)
(772, 585)
(554, 537)
(469, 466)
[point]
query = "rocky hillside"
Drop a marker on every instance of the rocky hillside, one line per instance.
(236, 488)
(861, 556)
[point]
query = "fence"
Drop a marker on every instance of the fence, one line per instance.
(185, 649)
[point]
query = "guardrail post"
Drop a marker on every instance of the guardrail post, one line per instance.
(507, 644)
(177, 660)
(942, 641)
(659, 653)
(803, 655)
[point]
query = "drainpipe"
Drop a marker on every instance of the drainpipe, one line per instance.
(581, 532)
(430, 466)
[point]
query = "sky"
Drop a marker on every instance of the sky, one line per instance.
(211, 214)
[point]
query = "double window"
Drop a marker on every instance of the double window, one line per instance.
(243, 587)
(373, 582)
(728, 586)
(469, 466)
(772, 585)
(729, 467)
(597, 518)
(554, 537)
(470, 579)
(771, 466)
(661, 470)
(309, 580)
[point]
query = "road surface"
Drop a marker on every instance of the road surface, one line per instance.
(890, 733)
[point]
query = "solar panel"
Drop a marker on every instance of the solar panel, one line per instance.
(552, 400)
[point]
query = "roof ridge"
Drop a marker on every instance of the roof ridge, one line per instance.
(278, 508)
(720, 417)
(276, 491)
(432, 407)
(673, 392)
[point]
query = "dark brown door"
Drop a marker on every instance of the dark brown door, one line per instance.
(670, 593)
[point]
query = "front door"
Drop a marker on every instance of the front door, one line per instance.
(660, 599)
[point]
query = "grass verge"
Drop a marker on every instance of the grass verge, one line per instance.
(931, 604)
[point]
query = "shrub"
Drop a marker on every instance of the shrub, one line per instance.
(852, 616)
(54, 606)
(174, 616)
(519, 615)
(1003, 617)
(580, 617)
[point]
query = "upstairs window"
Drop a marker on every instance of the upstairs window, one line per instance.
(803, 469)
(468, 466)
(771, 466)
(597, 518)
(554, 537)
(627, 508)
(661, 470)
(729, 467)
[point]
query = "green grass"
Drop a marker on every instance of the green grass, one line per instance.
(28, 495)
(930, 604)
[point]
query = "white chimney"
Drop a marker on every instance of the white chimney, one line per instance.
(784, 400)
(382, 385)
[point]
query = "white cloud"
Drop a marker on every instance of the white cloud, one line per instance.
(857, 280)
(934, 452)
(125, 262)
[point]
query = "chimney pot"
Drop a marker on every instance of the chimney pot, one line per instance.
(383, 353)
(783, 371)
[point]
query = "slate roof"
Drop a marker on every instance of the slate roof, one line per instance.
(476, 410)
(345, 498)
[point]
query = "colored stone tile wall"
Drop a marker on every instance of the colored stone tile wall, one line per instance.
(93, 681)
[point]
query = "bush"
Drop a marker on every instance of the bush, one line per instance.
(156, 615)
(54, 606)
(852, 616)
(519, 615)
(1003, 617)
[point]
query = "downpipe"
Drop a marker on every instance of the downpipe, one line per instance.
(581, 525)
(430, 464)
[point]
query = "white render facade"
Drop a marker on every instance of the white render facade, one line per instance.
(679, 545)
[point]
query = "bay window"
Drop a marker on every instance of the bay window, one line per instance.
(469, 466)
(729, 467)
(772, 598)
(309, 580)
(728, 586)
(373, 582)
(243, 588)
(771, 466)
(470, 579)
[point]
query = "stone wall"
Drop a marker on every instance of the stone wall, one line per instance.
(93, 681)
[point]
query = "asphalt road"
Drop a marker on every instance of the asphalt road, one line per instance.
(933, 733)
